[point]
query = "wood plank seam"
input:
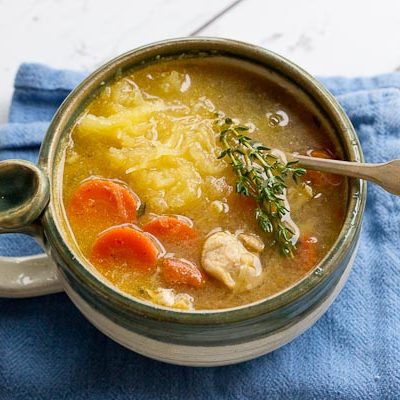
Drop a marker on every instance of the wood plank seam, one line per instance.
(216, 17)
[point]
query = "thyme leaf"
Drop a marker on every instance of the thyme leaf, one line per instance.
(260, 175)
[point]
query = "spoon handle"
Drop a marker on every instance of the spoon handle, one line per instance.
(386, 174)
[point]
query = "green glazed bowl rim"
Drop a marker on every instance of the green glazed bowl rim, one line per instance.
(50, 161)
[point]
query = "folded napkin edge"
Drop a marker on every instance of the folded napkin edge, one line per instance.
(42, 77)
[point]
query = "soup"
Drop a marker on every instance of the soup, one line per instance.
(152, 204)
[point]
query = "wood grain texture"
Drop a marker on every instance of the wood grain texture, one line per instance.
(325, 37)
(338, 37)
(83, 34)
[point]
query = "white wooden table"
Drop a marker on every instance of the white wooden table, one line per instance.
(335, 37)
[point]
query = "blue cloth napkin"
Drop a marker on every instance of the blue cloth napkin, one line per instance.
(49, 351)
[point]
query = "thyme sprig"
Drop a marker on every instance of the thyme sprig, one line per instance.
(262, 176)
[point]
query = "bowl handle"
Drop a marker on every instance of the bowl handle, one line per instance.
(24, 195)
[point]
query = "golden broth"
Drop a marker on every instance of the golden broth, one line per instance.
(153, 129)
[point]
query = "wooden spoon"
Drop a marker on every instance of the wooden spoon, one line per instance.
(386, 174)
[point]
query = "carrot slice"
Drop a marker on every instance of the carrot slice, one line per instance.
(124, 246)
(101, 203)
(318, 178)
(179, 271)
(306, 253)
(243, 205)
(322, 154)
(170, 229)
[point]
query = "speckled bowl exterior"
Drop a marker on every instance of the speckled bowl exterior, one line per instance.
(199, 337)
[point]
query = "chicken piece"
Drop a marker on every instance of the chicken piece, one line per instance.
(226, 259)
(169, 298)
(252, 242)
(287, 217)
(299, 195)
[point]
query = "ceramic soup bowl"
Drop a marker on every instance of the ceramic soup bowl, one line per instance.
(30, 203)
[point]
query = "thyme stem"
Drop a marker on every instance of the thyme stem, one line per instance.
(259, 175)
